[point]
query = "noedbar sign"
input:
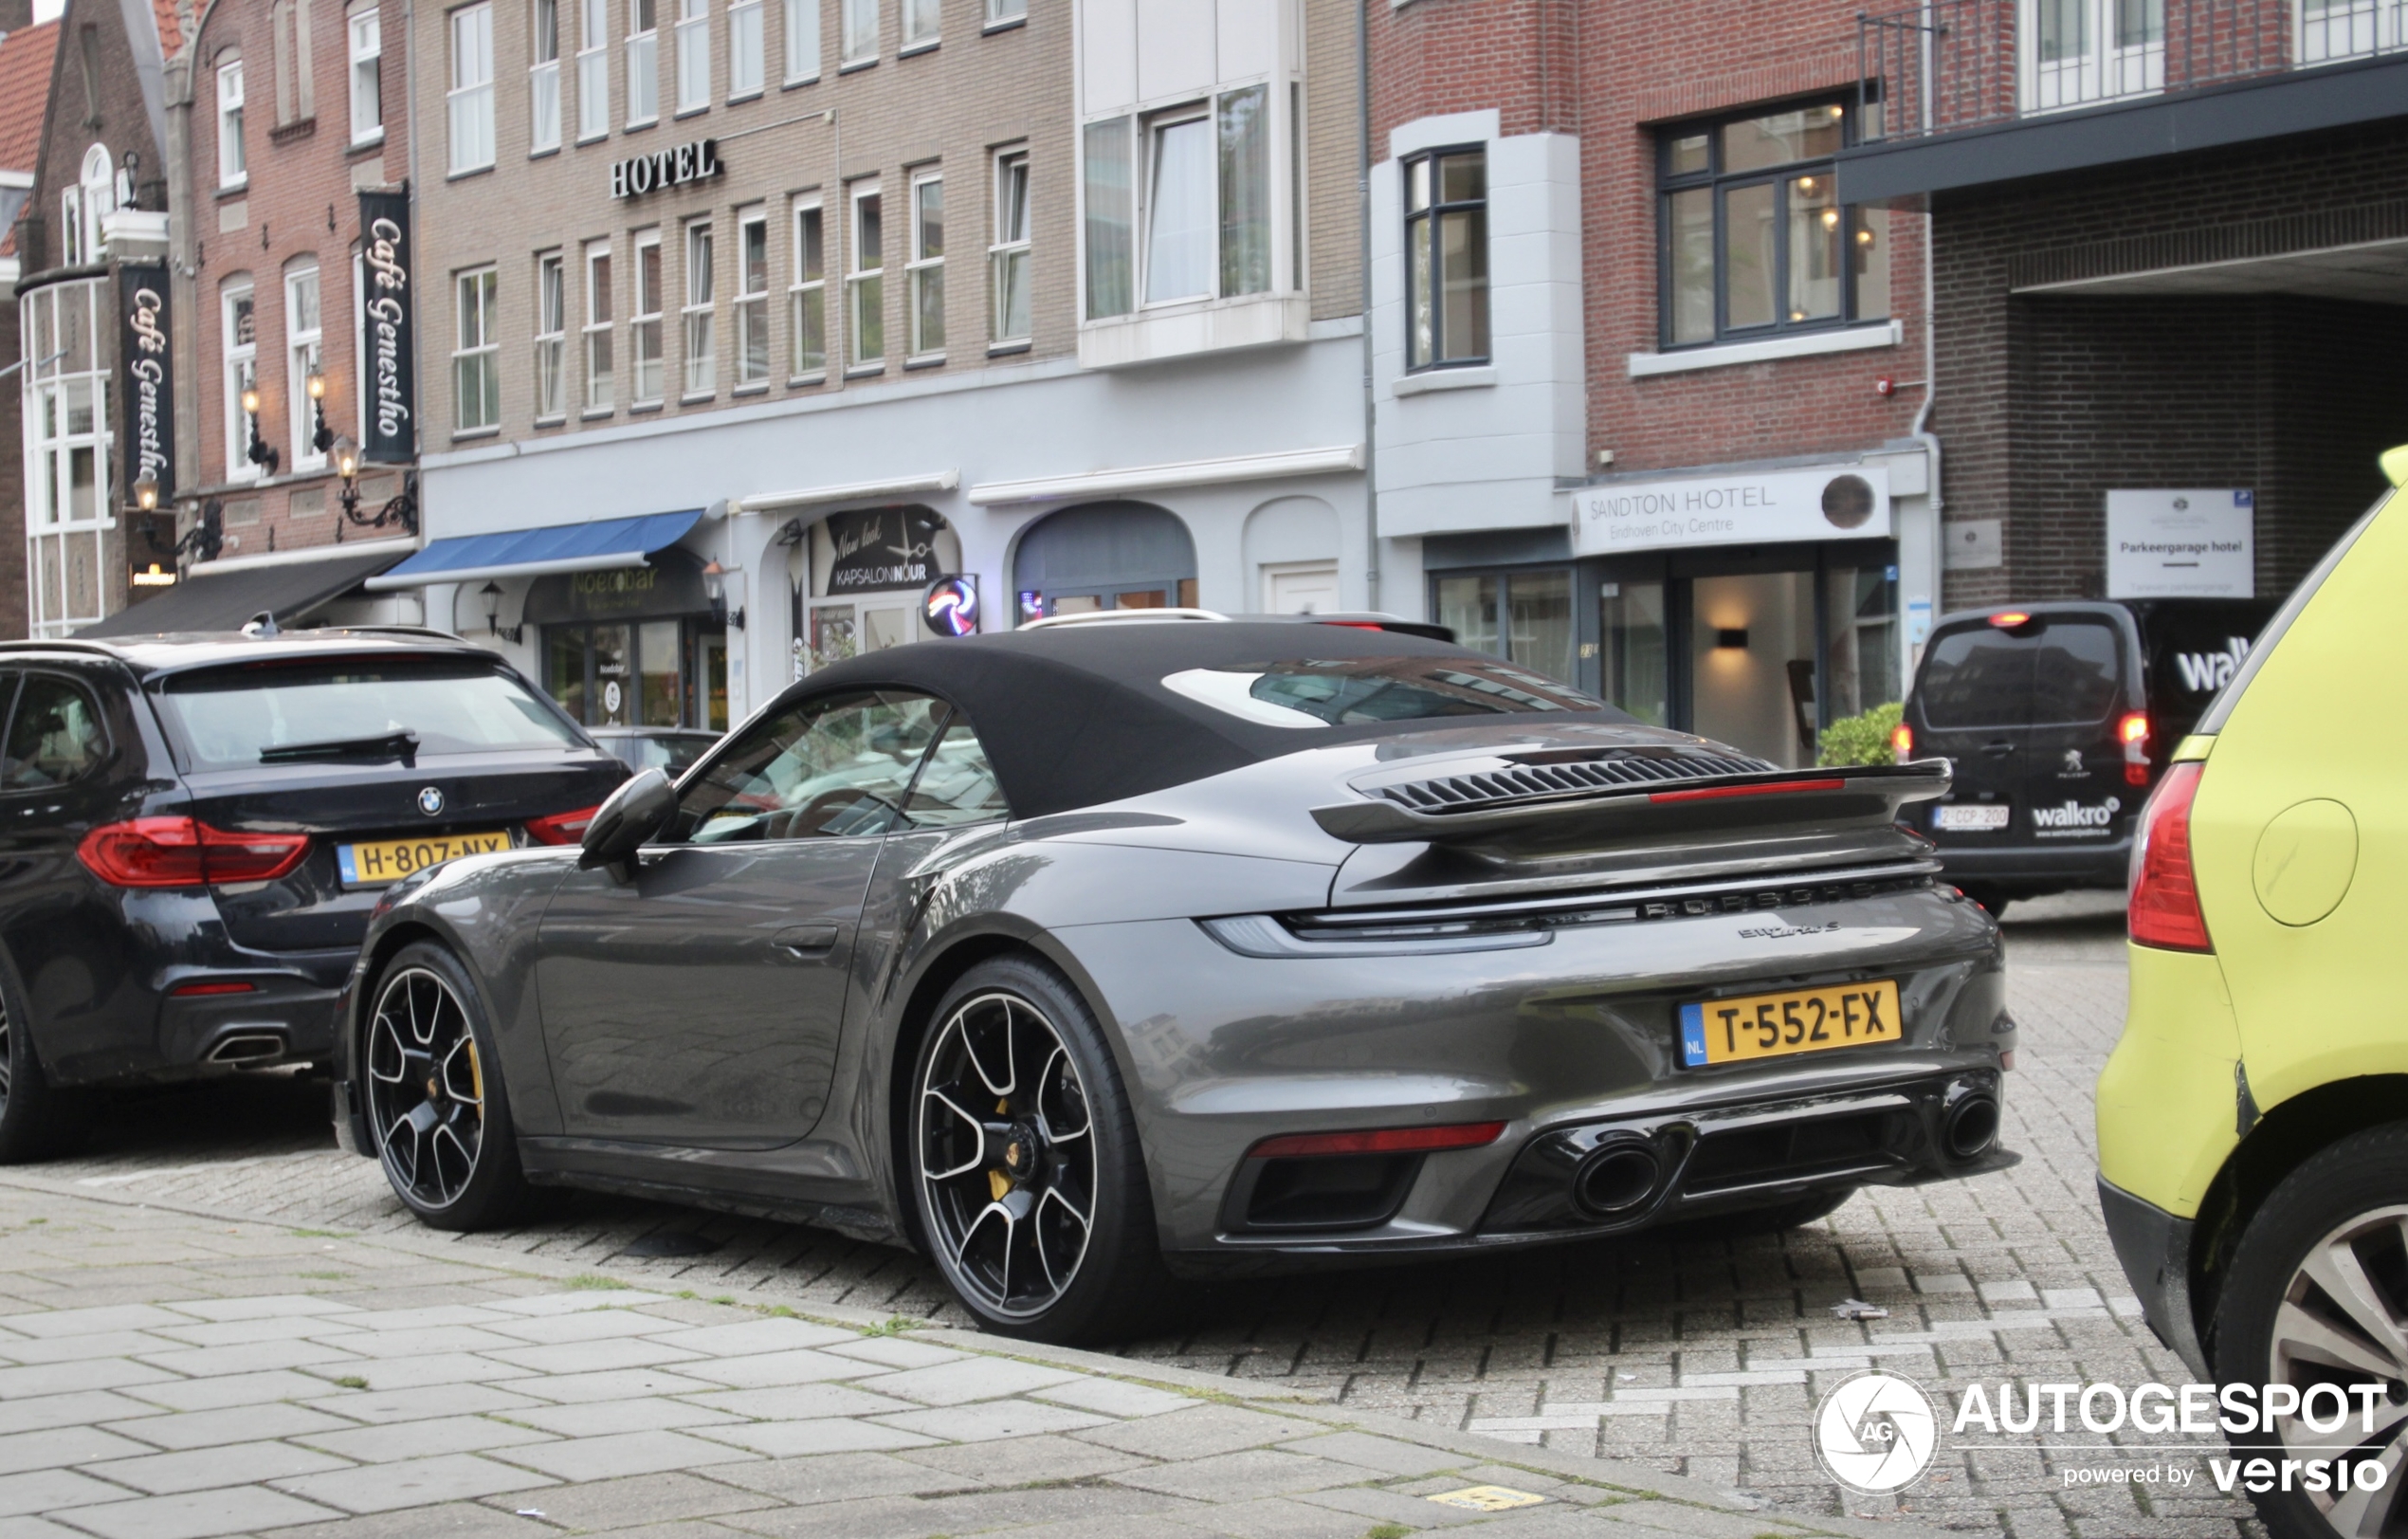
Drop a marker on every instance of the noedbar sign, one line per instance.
(149, 390)
(388, 387)
(1832, 503)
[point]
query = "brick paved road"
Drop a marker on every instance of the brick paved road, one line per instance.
(1700, 1356)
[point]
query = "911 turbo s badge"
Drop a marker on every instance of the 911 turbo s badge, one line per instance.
(430, 800)
(1782, 932)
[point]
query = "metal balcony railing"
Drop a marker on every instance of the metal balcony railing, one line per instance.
(1953, 65)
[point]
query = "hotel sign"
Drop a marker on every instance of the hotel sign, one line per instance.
(150, 389)
(1780, 507)
(695, 162)
(389, 393)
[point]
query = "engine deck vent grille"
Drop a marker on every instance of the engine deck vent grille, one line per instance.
(1487, 788)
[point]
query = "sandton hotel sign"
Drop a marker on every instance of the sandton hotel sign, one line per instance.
(388, 387)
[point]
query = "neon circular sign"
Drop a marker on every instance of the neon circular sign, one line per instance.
(951, 606)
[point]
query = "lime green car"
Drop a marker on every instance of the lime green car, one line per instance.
(2252, 1120)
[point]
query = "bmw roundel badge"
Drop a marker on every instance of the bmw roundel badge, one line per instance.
(430, 800)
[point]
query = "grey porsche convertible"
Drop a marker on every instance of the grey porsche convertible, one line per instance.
(1082, 957)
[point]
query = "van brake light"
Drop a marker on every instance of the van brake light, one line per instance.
(1901, 743)
(2132, 730)
(2164, 909)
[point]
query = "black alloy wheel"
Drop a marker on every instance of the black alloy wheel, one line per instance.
(434, 1096)
(1031, 1190)
(2317, 1298)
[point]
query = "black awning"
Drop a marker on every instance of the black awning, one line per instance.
(225, 600)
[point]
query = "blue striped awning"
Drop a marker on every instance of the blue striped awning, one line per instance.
(530, 553)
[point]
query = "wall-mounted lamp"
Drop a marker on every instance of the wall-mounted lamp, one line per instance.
(1731, 639)
(491, 594)
(146, 494)
(322, 438)
(715, 588)
(402, 508)
(261, 453)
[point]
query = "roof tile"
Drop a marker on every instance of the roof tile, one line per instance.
(24, 91)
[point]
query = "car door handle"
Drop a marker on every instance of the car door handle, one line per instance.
(807, 942)
(1997, 748)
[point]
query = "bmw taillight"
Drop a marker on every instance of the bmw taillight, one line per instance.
(2165, 905)
(2132, 730)
(1901, 743)
(561, 828)
(182, 851)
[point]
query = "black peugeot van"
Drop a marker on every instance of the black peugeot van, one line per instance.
(2058, 718)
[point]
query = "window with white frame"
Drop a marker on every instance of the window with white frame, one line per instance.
(693, 55)
(471, 95)
(239, 323)
(744, 44)
(701, 338)
(289, 43)
(860, 42)
(752, 295)
(593, 69)
(74, 250)
(600, 363)
(802, 41)
(367, 44)
(644, 322)
(1178, 204)
(643, 63)
(1446, 258)
(550, 337)
(1005, 13)
(922, 21)
(926, 265)
(66, 450)
(807, 299)
(95, 200)
(1008, 257)
(476, 354)
(543, 77)
(865, 281)
(233, 166)
(303, 360)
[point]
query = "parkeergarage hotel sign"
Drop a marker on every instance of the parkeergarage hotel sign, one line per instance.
(388, 388)
(695, 162)
(150, 388)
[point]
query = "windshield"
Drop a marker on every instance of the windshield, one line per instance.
(235, 718)
(1362, 691)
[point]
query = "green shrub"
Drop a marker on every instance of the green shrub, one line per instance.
(1863, 739)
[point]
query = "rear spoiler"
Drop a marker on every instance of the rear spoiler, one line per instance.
(1846, 793)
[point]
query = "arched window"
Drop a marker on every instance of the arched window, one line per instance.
(84, 206)
(1103, 556)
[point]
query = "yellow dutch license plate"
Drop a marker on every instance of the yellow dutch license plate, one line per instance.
(1794, 1020)
(377, 862)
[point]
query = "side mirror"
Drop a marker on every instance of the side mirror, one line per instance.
(639, 809)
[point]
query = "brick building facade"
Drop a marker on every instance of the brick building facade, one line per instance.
(92, 233)
(748, 293)
(291, 109)
(1679, 461)
(28, 56)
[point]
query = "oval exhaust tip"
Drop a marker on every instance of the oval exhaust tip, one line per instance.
(1616, 1178)
(248, 1047)
(1971, 1128)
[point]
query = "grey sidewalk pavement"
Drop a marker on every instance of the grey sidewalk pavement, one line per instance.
(171, 1373)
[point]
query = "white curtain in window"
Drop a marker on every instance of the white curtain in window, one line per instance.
(1179, 233)
(802, 40)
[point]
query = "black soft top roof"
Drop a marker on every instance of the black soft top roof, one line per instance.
(1076, 716)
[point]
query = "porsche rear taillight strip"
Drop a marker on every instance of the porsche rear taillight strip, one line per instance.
(1715, 793)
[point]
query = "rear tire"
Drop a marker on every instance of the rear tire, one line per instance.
(437, 1107)
(1023, 1162)
(37, 1118)
(2327, 1248)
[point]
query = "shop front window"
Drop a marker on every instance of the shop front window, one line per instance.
(665, 673)
(1633, 663)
